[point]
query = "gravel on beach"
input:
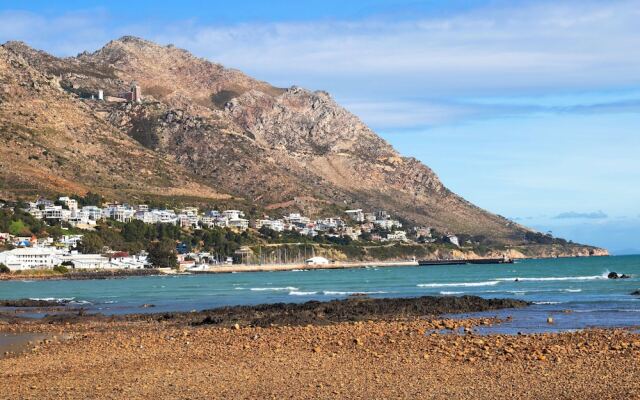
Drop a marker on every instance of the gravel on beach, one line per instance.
(360, 360)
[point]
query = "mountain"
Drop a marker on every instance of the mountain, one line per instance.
(208, 132)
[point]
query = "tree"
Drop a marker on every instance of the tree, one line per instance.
(4, 269)
(163, 254)
(91, 243)
(134, 231)
(89, 199)
(17, 228)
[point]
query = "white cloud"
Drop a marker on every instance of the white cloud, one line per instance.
(570, 45)
(401, 73)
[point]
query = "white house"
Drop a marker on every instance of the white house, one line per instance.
(232, 214)
(72, 204)
(239, 223)
(317, 260)
(93, 213)
(86, 261)
(30, 258)
(274, 224)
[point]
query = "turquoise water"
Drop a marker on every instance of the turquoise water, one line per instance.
(553, 285)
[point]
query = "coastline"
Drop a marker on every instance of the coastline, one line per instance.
(408, 356)
(238, 268)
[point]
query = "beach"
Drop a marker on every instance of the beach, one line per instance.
(563, 330)
(374, 359)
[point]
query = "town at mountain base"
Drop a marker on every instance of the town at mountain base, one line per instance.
(140, 123)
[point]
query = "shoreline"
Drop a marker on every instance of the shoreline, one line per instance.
(236, 268)
(404, 358)
(313, 312)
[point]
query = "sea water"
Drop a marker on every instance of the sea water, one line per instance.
(575, 292)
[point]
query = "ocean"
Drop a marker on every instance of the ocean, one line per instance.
(575, 292)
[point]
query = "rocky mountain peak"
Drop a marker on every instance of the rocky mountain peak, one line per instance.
(203, 130)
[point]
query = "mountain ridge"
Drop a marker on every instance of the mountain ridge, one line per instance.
(217, 133)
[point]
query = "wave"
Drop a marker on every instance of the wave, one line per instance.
(547, 302)
(337, 293)
(80, 302)
(56, 299)
(445, 293)
(273, 289)
(455, 284)
(572, 290)
(297, 293)
(556, 278)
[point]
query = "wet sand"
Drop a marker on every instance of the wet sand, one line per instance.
(385, 357)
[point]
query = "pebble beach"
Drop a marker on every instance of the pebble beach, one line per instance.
(413, 357)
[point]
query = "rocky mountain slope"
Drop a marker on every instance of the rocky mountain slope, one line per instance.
(209, 132)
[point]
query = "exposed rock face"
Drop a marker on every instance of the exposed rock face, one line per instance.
(217, 130)
(55, 143)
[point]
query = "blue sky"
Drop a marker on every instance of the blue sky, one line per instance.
(530, 109)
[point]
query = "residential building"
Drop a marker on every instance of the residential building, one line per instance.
(356, 215)
(30, 258)
(72, 204)
(239, 223)
(85, 261)
(397, 236)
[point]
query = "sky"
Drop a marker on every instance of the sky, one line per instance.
(530, 109)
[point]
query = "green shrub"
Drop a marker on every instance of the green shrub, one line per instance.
(4, 269)
(61, 269)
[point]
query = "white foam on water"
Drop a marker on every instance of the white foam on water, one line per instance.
(458, 284)
(338, 293)
(547, 302)
(298, 293)
(58, 299)
(572, 290)
(445, 293)
(273, 289)
(556, 278)
(80, 302)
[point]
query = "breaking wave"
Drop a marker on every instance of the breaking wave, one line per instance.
(298, 293)
(273, 289)
(56, 299)
(556, 278)
(336, 293)
(458, 284)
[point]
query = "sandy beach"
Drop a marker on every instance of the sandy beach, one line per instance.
(169, 357)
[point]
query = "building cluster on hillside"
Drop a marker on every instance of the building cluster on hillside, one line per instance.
(379, 226)
(66, 209)
(354, 225)
(30, 252)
